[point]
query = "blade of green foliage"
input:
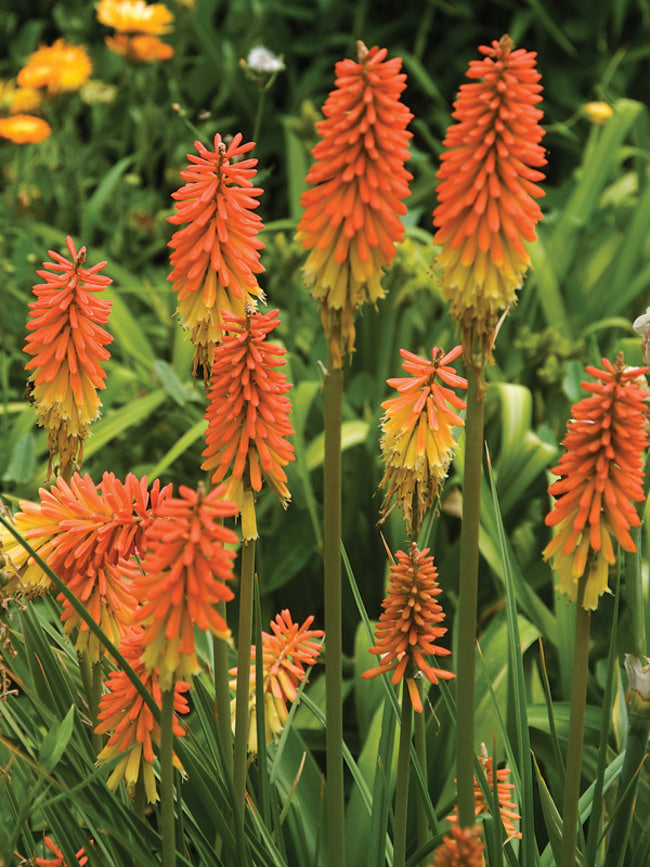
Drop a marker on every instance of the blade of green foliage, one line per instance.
(179, 448)
(93, 207)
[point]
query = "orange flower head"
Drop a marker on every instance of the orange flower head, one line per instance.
(216, 256)
(58, 860)
(601, 476)
(24, 129)
(184, 575)
(407, 629)
(488, 186)
(286, 650)
(135, 16)
(352, 220)
(507, 808)
(24, 576)
(59, 67)
(417, 442)
(131, 723)
(248, 414)
(140, 48)
(68, 345)
(461, 847)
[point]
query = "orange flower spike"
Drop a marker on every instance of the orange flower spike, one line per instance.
(417, 442)
(59, 860)
(59, 67)
(131, 723)
(68, 343)
(352, 220)
(461, 847)
(216, 256)
(184, 575)
(507, 808)
(248, 414)
(488, 186)
(601, 476)
(406, 631)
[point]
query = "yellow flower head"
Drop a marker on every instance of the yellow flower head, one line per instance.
(59, 67)
(135, 16)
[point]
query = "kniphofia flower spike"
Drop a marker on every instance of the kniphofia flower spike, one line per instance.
(417, 442)
(461, 847)
(216, 256)
(68, 343)
(183, 577)
(489, 178)
(248, 414)
(58, 860)
(352, 220)
(601, 476)
(407, 628)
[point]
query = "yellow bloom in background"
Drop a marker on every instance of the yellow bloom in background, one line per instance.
(24, 129)
(19, 100)
(140, 48)
(597, 112)
(135, 16)
(59, 67)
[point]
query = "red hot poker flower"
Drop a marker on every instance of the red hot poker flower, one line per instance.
(417, 441)
(488, 186)
(216, 256)
(184, 574)
(407, 629)
(507, 808)
(461, 847)
(601, 476)
(133, 728)
(351, 221)
(248, 414)
(67, 344)
(59, 859)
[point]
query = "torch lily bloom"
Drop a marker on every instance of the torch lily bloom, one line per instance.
(507, 808)
(216, 256)
(248, 414)
(461, 847)
(58, 860)
(488, 186)
(601, 476)
(68, 343)
(183, 576)
(352, 220)
(59, 67)
(407, 629)
(134, 731)
(417, 441)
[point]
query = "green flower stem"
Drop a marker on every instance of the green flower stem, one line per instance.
(333, 626)
(576, 732)
(222, 696)
(92, 692)
(259, 114)
(468, 590)
(634, 593)
(97, 688)
(138, 804)
(421, 752)
(244, 638)
(402, 782)
(168, 829)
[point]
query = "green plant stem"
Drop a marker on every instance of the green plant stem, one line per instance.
(97, 688)
(468, 591)
(333, 625)
(421, 752)
(634, 593)
(92, 691)
(244, 638)
(259, 114)
(139, 802)
(402, 782)
(168, 829)
(576, 732)
(222, 696)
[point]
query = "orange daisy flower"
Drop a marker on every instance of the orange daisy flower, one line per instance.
(140, 48)
(286, 650)
(59, 859)
(406, 631)
(216, 256)
(68, 344)
(248, 414)
(488, 186)
(135, 16)
(417, 441)
(507, 808)
(24, 129)
(183, 576)
(461, 847)
(352, 216)
(134, 730)
(59, 67)
(601, 476)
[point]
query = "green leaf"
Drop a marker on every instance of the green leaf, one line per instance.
(92, 210)
(21, 463)
(178, 391)
(55, 742)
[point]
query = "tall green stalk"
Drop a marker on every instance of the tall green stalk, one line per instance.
(244, 638)
(576, 732)
(168, 829)
(222, 697)
(333, 626)
(468, 589)
(420, 739)
(402, 782)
